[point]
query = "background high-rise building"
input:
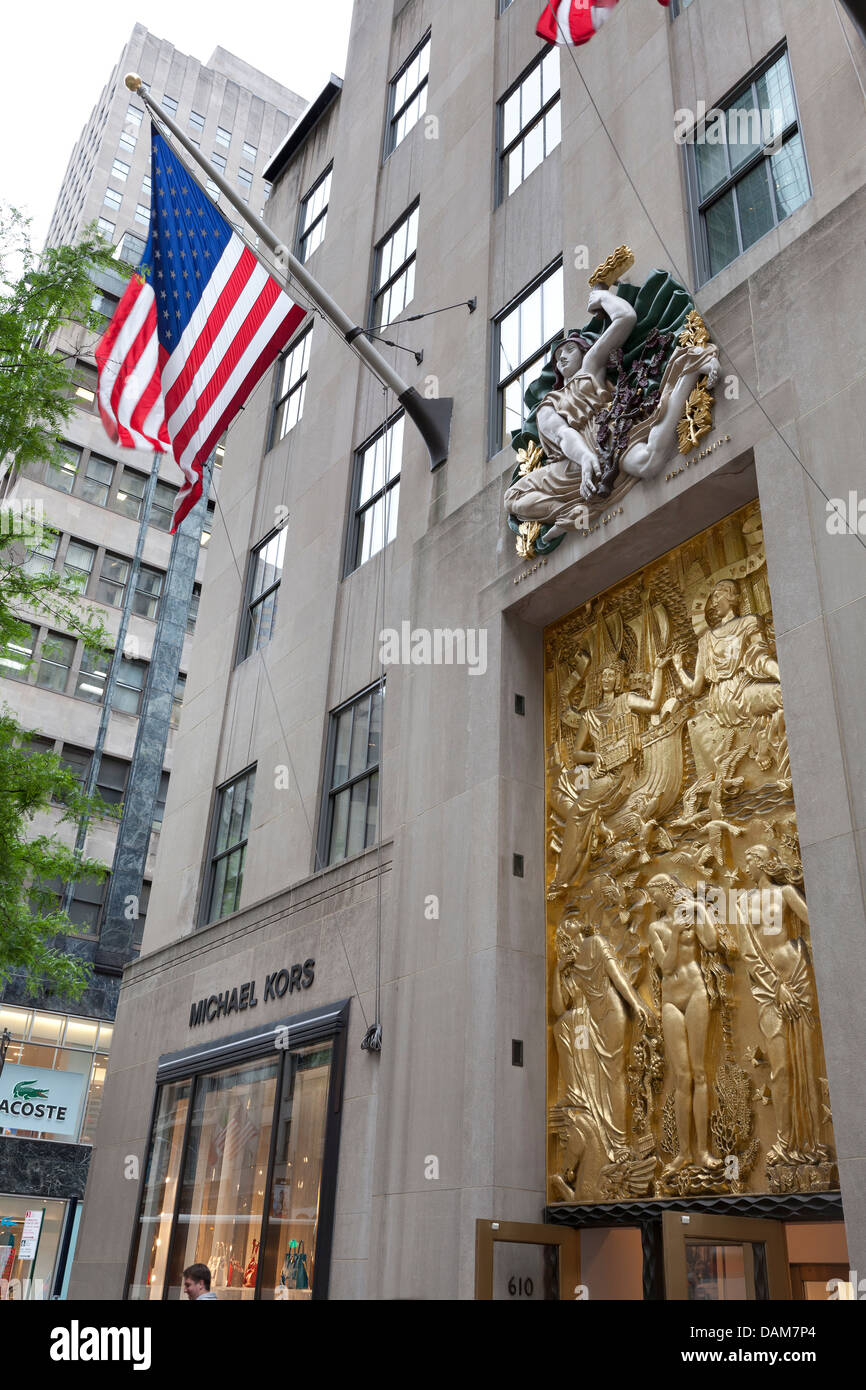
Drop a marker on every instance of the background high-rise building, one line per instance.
(239, 116)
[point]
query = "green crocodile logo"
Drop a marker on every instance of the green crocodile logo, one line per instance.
(25, 1090)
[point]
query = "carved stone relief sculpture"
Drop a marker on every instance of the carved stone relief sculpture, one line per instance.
(685, 1042)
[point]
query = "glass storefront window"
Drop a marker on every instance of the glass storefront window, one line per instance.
(30, 1229)
(160, 1192)
(235, 1178)
(294, 1206)
(222, 1195)
(36, 1042)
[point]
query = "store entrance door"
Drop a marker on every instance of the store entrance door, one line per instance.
(520, 1262)
(717, 1259)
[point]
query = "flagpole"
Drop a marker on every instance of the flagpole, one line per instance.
(432, 417)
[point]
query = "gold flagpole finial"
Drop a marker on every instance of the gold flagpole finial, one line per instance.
(133, 81)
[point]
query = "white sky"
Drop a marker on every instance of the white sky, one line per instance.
(59, 55)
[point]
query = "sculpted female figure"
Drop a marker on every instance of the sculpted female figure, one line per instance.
(676, 938)
(592, 998)
(556, 493)
(735, 661)
(604, 749)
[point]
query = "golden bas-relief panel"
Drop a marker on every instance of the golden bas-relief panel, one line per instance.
(685, 1051)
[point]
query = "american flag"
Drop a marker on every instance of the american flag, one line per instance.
(200, 323)
(573, 22)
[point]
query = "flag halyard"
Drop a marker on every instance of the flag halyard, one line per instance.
(200, 323)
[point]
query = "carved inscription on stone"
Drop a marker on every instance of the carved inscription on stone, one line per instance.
(685, 1043)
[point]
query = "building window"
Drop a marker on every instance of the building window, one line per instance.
(314, 216)
(111, 779)
(207, 524)
(55, 661)
(376, 494)
(120, 170)
(148, 590)
(292, 373)
(249, 152)
(219, 160)
(213, 190)
(215, 1127)
(223, 137)
(265, 573)
(112, 199)
(17, 654)
(747, 167)
(130, 493)
(530, 122)
(192, 611)
(85, 387)
(245, 180)
(40, 557)
(133, 115)
(127, 141)
(177, 700)
(159, 807)
(145, 186)
(677, 7)
(63, 476)
(169, 104)
(78, 562)
(524, 333)
(142, 214)
(162, 506)
(196, 121)
(129, 686)
(76, 761)
(104, 304)
(97, 480)
(131, 248)
(394, 277)
(90, 684)
(112, 580)
(85, 910)
(352, 816)
(408, 95)
(106, 228)
(234, 805)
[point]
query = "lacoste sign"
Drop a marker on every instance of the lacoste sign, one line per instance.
(36, 1098)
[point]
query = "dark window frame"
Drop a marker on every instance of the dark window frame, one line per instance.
(699, 207)
(328, 1023)
(296, 342)
(330, 791)
(394, 113)
(205, 915)
(498, 385)
(302, 233)
(377, 294)
(351, 561)
(242, 653)
(502, 150)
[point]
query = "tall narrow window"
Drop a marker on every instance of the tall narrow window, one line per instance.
(223, 137)
(314, 216)
(292, 371)
(148, 589)
(162, 507)
(63, 477)
(231, 828)
(120, 170)
(40, 559)
(169, 104)
(265, 573)
(196, 121)
(112, 580)
(98, 477)
(376, 494)
(530, 122)
(111, 779)
(55, 661)
(747, 167)
(524, 334)
(394, 277)
(130, 493)
(16, 655)
(407, 100)
(85, 383)
(78, 562)
(352, 813)
(129, 687)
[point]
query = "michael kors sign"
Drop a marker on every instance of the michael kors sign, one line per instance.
(238, 998)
